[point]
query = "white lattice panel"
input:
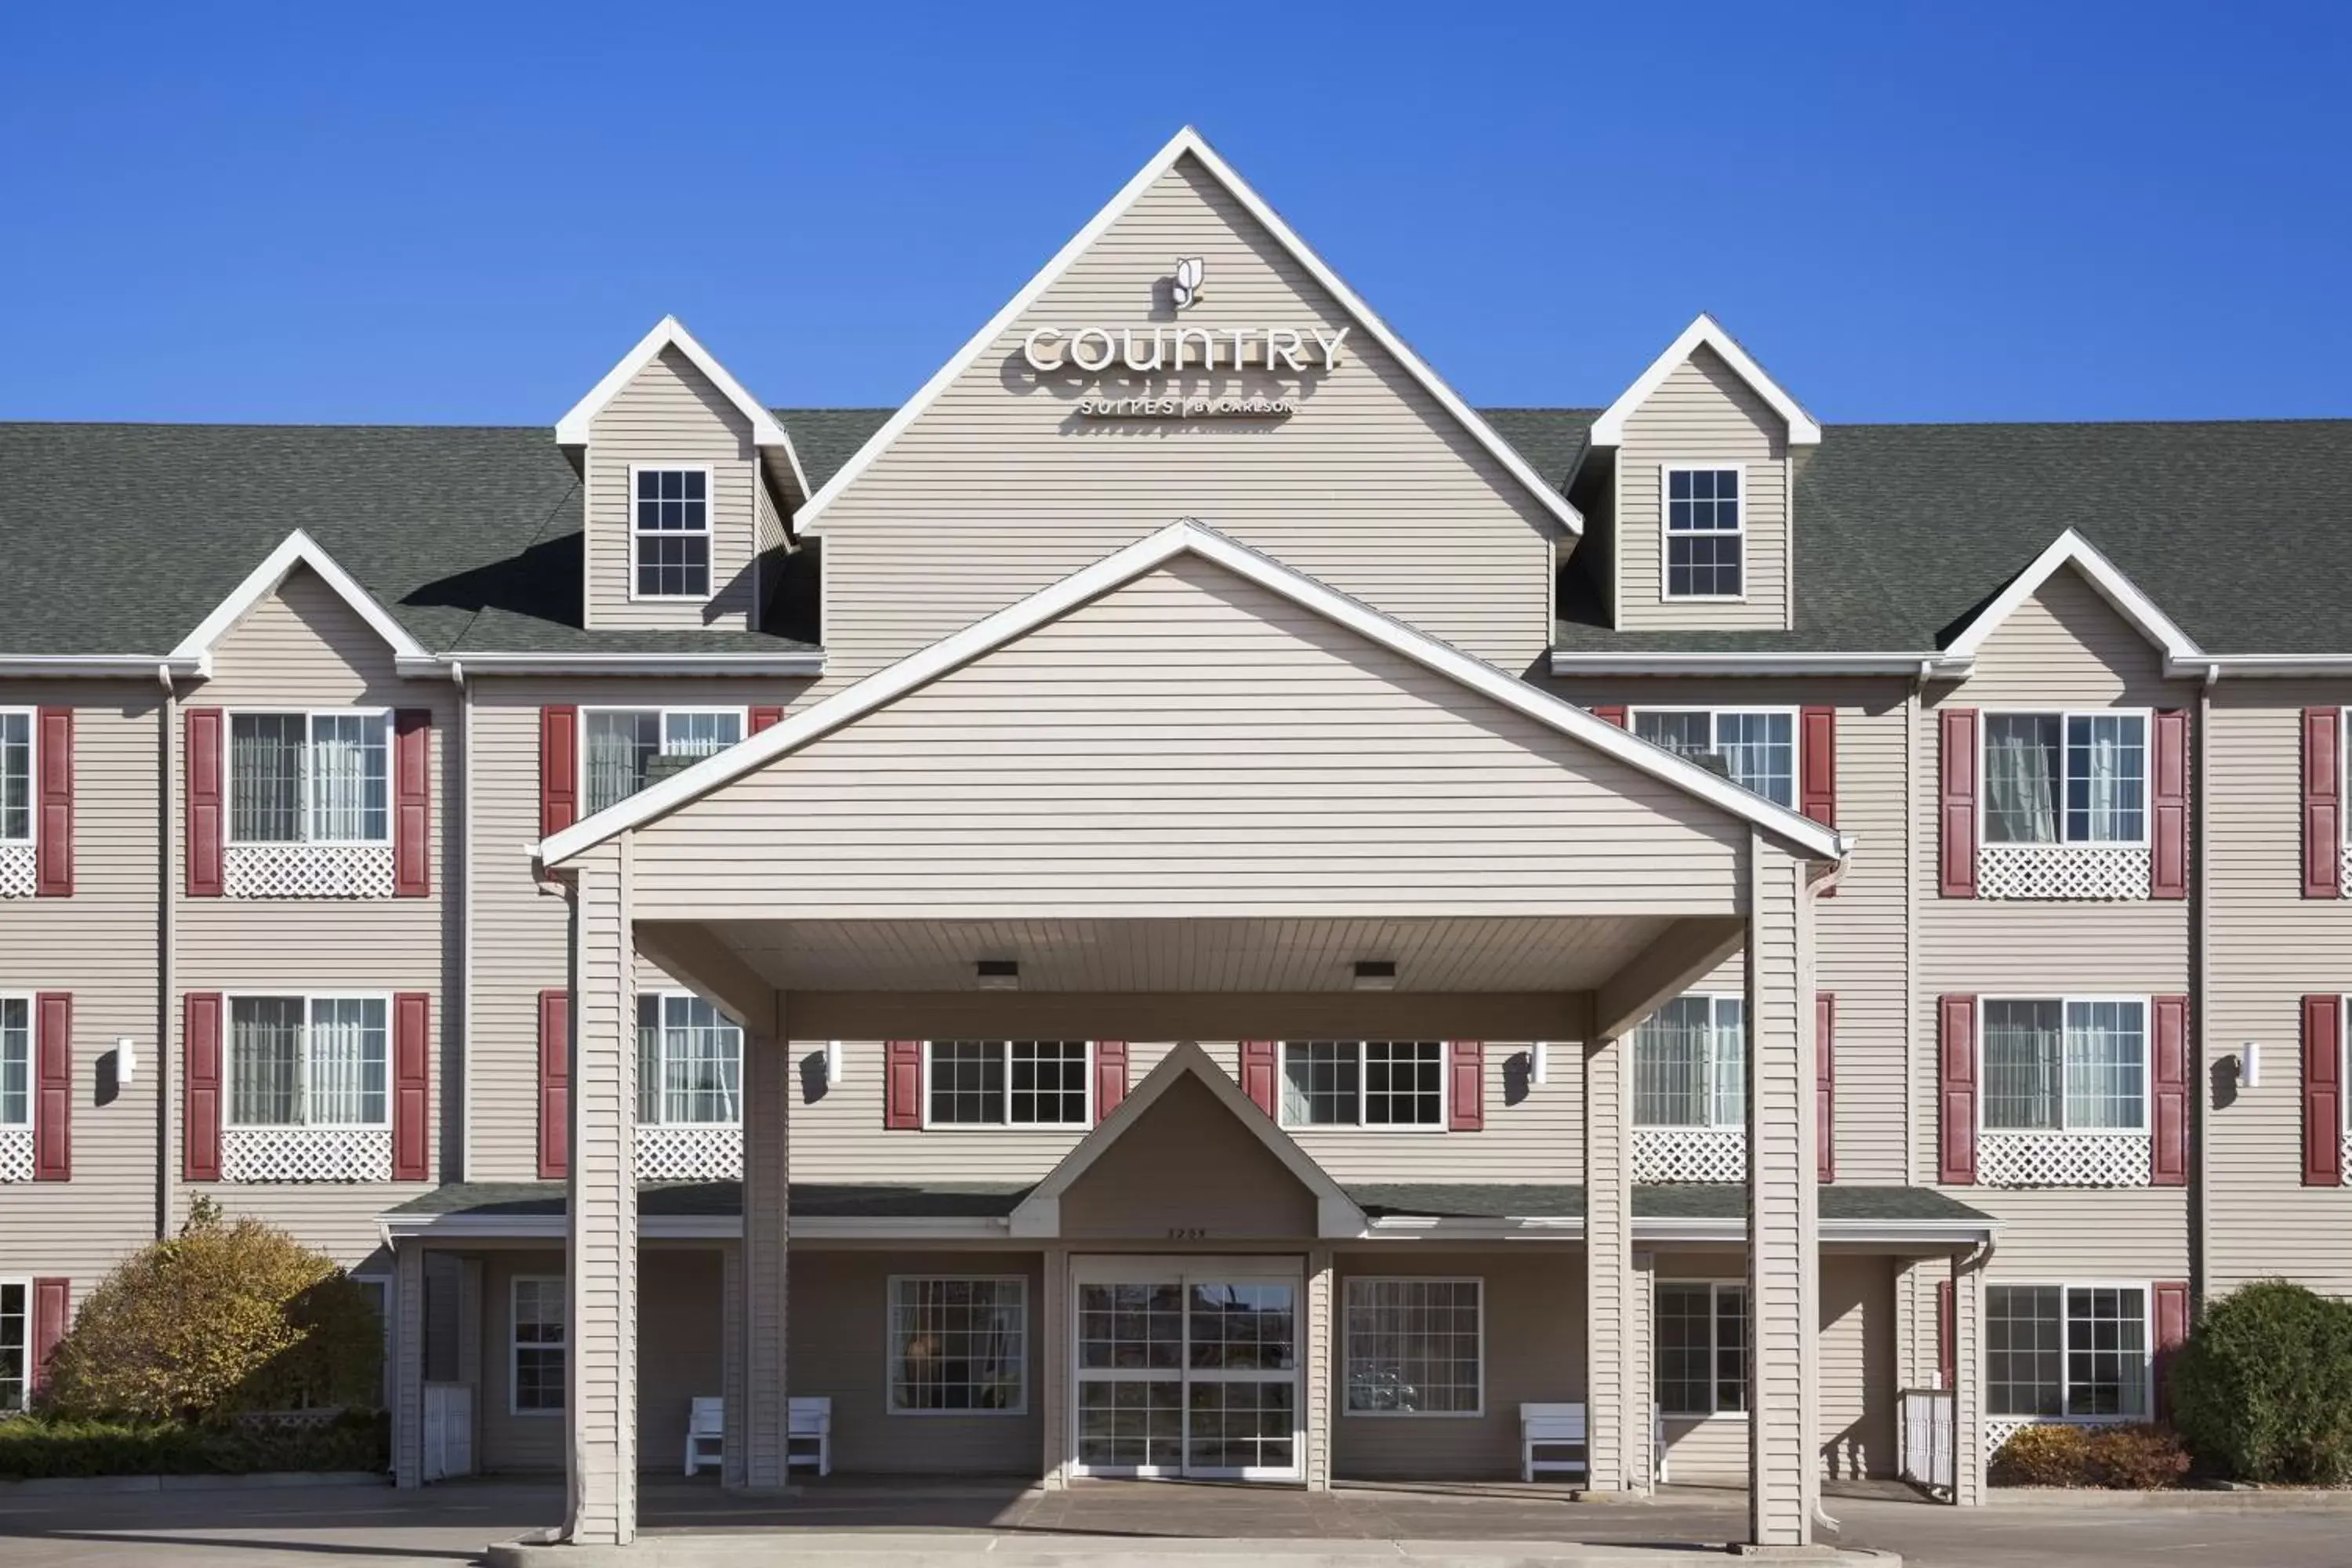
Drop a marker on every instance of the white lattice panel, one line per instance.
(15, 1153)
(2343, 872)
(306, 1154)
(20, 865)
(306, 870)
(2063, 1159)
(1690, 1154)
(2344, 1159)
(689, 1153)
(2060, 872)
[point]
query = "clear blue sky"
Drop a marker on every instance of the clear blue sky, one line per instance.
(438, 213)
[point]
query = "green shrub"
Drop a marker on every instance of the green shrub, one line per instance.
(2053, 1456)
(222, 1319)
(2125, 1458)
(37, 1447)
(2263, 1390)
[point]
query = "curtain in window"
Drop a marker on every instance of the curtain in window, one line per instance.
(649, 1060)
(619, 747)
(1728, 1053)
(2105, 1066)
(2106, 777)
(16, 1062)
(2023, 1054)
(267, 755)
(689, 1063)
(15, 776)
(266, 1061)
(347, 777)
(347, 1062)
(2023, 767)
(1673, 1051)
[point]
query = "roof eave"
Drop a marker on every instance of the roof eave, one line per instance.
(1928, 666)
(460, 665)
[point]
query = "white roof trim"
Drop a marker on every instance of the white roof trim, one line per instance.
(298, 550)
(1586, 662)
(1039, 1213)
(571, 430)
(1609, 430)
(1189, 141)
(1122, 566)
(649, 664)
(2071, 548)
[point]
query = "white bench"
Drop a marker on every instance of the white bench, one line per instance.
(706, 1426)
(1559, 1426)
(809, 1435)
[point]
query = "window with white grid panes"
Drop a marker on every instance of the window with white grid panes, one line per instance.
(959, 1343)
(689, 1062)
(671, 528)
(307, 1061)
(1414, 1347)
(1700, 1329)
(621, 748)
(2066, 1352)
(2064, 1063)
(536, 1367)
(1363, 1083)
(1705, 537)
(15, 776)
(309, 778)
(1755, 748)
(1690, 1060)
(1007, 1083)
(15, 1061)
(16, 1345)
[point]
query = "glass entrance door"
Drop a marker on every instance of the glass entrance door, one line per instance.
(1187, 1367)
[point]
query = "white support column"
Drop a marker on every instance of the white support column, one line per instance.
(1616, 1382)
(1968, 1379)
(732, 1385)
(1061, 1349)
(601, 1401)
(408, 1365)
(1783, 1249)
(1321, 1356)
(767, 1090)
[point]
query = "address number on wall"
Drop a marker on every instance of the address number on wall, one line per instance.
(1187, 1233)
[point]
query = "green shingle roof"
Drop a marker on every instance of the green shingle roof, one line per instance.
(1528, 1200)
(929, 1200)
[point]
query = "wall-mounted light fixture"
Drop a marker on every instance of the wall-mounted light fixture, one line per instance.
(997, 975)
(2249, 1065)
(126, 1060)
(836, 1063)
(1540, 1062)
(1375, 974)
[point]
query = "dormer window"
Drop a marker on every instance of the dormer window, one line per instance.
(628, 748)
(669, 532)
(1705, 537)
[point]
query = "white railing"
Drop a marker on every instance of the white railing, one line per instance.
(1926, 1456)
(1690, 1154)
(20, 871)
(2063, 1159)
(694, 1154)
(448, 1430)
(306, 870)
(15, 1153)
(306, 1154)
(2060, 872)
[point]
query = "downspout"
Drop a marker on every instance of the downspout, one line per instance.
(464, 875)
(166, 972)
(1912, 717)
(2201, 971)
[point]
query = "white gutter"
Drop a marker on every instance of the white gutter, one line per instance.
(703, 1227)
(1760, 664)
(2273, 666)
(99, 665)
(431, 666)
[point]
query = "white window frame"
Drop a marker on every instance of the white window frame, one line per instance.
(32, 1061)
(1348, 1336)
(1409, 1129)
(228, 1060)
(1714, 1288)
(2147, 1351)
(1008, 1125)
(2146, 717)
(515, 1346)
(890, 1346)
(1714, 999)
(1717, 712)
(25, 1281)
(310, 716)
(32, 717)
(383, 1285)
(1666, 531)
(710, 472)
(664, 994)
(2065, 1000)
(2343, 785)
(663, 714)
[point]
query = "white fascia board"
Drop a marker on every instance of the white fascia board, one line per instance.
(670, 333)
(919, 668)
(2071, 548)
(299, 549)
(2260, 666)
(1609, 430)
(1758, 663)
(1888, 1232)
(1190, 140)
(608, 664)
(96, 666)
(1429, 1227)
(700, 1227)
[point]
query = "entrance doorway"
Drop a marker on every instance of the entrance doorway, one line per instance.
(1187, 1366)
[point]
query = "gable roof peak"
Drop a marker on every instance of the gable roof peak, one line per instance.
(670, 333)
(298, 549)
(1609, 430)
(2125, 596)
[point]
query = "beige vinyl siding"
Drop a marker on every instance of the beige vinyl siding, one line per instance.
(1858, 952)
(2272, 947)
(1857, 1409)
(669, 413)
(839, 1347)
(1703, 414)
(1532, 1350)
(1190, 741)
(1232, 1186)
(100, 944)
(1000, 488)
(520, 930)
(2064, 646)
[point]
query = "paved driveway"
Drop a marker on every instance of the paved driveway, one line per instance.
(365, 1526)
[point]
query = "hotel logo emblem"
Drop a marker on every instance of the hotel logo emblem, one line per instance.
(1185, 287)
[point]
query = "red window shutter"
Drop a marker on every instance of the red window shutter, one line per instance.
(1258, 1072)
(1959, 803)
(52, 1307)
(2323, 803)
(201, 1083)
(1613, 714)
(2168, 801)
(1110, 1077)
(1825, 1082)
(1817, 756)
(766, 718)
(559, 768)
(2171, 1315)
(1465, 1085)
(412, 795)
(555, 1085)
(1945, 1363)
(902, 1085)
(206, 816)
(412, 1051)
(1956, 1089)
(2323, 1092)
(53, 867)
(53, 1085)
(2168, 1106)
